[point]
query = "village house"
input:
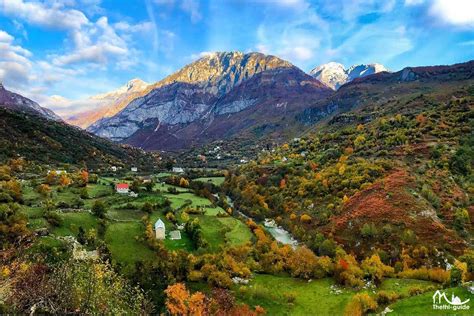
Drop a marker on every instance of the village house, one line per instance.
(178, 170)
(160, 229)
(122, 188)
(58, 172)
(134, 169)
(113, 168)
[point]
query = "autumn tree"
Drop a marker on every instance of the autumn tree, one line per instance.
(375, 269)
(302, 263)
(51, 177)
(44, 190)
(183, 183)
(181, 303)
(64, 180)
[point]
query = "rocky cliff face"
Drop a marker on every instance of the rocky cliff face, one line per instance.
(18, 102)
(107, 104)
(189, 106)
(335, 75)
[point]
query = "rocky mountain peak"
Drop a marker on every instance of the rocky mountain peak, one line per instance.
(135, 84)
(219, 72)
(1, 86)
(335, 74)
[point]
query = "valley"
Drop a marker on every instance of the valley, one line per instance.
(242, 185)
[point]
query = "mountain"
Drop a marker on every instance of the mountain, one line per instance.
(30, 131)
(217, 97)
(14, 101)
(391, 171)
(107, 104)
(335, 75)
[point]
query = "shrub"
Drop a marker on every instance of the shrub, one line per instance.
(305, 218)
(386, 297)
(436, 274)
(52, 218)
(360, 304)
(290, 297)
(415, 290)
(369, 230)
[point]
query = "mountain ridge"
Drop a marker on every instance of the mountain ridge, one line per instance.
(205, 90)
(107, 104)
(15, 101)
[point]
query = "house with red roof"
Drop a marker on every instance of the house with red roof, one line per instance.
(122, 188)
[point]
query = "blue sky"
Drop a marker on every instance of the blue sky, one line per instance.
(72, 49)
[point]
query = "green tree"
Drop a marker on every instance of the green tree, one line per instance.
(98, 209)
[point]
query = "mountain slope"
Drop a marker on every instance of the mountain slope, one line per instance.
(218, 96)
(52, 142)
(107, 104)
(393, 172)
(14, 101)
(334, 75)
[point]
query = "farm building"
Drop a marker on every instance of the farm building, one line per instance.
(160, 229)
(178, 170)
(122, 188)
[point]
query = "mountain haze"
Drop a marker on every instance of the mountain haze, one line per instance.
(107, 104)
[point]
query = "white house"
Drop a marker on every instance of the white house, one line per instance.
(160, 229)
(122, 188)
(178, 170)
(113, 168)
(58, 172)
(134, 169)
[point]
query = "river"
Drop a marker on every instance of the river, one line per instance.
(279, 233)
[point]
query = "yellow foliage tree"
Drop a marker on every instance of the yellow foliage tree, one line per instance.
(305, 218)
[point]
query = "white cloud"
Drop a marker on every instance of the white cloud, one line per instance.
(98, 44)
(15, 65)
(455, 12)
(373, 39)
(293, 40)
(413, 2)
(192, 8)
(5, 37)
(54, 17)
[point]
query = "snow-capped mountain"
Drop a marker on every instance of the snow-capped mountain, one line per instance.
(106, 104)
(335, 74)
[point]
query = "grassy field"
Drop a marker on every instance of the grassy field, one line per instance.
(423, 304)
(214, 180)
(72, 221)
(124, 218)
(281, 295)
(238, 232)
(123, 244)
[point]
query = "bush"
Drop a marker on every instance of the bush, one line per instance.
(415, 290)
(369, 230)
(436, 274)
(52, 218)
(98, 209)
(290, 297)
(360, 304)
(386, 297)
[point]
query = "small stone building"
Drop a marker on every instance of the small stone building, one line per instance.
(160, 229)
